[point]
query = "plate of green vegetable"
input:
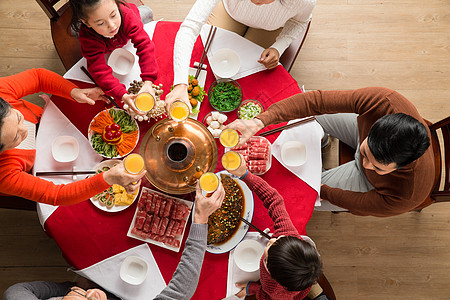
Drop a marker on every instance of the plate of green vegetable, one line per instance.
(225, 94)
(249, 109)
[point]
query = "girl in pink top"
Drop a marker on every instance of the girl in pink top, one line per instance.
(105, 25)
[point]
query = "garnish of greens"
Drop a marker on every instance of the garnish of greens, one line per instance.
(126, 123)
(249, 110)
(225, 96)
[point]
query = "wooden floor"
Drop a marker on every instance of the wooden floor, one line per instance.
(400, 44)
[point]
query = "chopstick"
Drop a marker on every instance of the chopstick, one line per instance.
(92, 78)
(306, 120)
(256, 228)
(64, 173)
(212, 32)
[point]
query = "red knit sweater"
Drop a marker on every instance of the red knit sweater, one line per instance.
(16, 163)
(269, 288)
(94, 47)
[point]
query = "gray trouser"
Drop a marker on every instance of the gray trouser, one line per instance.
(348, 176)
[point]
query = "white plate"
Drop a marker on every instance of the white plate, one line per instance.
(110, 163)
(243, 228)
(201, 82)
(90, 133)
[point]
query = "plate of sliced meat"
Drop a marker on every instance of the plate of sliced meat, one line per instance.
(257, 154)
(160, 219)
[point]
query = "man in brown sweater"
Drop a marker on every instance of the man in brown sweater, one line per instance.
(393, 170)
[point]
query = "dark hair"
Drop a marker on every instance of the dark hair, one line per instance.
(5, 108)
(80, 9)
(294, 263)
(397, 138)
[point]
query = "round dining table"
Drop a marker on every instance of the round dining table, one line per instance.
(88, 235)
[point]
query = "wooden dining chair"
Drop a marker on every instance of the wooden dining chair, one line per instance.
(289, 56)
(322, 281)
(67, 46)
(440, 192)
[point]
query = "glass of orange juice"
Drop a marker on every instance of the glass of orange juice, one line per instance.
(134, 163)
(179, 111)
(229, 138)
(231, 160)
(144, 102)
(209, 182)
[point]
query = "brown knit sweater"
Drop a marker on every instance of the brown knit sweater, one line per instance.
(394, 193)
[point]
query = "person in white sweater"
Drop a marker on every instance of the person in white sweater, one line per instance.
(273, 24)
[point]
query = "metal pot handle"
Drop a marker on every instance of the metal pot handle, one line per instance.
(193, 180)
(157, 137)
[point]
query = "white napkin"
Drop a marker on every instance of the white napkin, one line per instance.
(53, 124)
(310, 134)
(75, 72)
(237, 275)
(107, 275)
(248, 52)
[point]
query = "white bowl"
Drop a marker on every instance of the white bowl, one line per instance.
(225, 63)
(65, 148)
(248, 254)
(121, 61)
(133, 270)
(293, 153)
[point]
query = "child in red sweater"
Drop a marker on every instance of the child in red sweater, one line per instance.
(290, 265)
(105, 25)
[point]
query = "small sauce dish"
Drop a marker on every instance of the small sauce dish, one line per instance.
(133, 270)
(293, 153)
(65, 148)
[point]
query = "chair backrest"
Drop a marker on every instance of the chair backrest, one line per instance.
(288, 57)
(48, 6)
(441, 159)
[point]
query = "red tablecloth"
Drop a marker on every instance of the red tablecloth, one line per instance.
(87, 235)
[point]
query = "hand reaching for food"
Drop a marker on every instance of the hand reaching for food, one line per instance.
(247, 128)
(88, 96)
(243, 292)
(269, 58)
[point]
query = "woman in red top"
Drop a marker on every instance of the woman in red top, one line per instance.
(290, 264)
(17, 153)
(105, 25)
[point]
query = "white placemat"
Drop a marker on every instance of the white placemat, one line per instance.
(54, 123)
(107, 275)
(310, 134)
(248, 52)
